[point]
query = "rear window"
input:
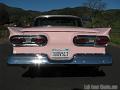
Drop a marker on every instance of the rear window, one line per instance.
(58, 21)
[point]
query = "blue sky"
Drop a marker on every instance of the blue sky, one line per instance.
(46, 5)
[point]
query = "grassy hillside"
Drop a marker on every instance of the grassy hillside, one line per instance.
(105, 18)
(19, 16)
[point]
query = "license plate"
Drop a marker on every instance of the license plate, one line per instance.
(60, 54)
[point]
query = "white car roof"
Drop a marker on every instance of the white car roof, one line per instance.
(47, 16)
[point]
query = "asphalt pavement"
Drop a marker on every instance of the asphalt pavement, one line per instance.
(57, 78)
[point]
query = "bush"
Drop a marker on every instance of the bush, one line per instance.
(115, 38)
(3, 32)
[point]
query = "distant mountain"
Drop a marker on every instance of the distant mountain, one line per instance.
(18, 11)
(22, 17)
(78, 11)
(17, 16)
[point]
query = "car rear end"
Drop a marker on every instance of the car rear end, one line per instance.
(59, 45)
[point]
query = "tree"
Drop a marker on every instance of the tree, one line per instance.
(4, 17)
(95, 4)
(96, 8)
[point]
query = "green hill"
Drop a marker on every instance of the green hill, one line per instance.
(22, 17)
(18, 15)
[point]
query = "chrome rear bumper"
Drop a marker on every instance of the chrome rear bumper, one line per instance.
(83, 59)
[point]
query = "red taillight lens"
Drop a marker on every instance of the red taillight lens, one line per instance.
(102, 40)
(83, 40)
(80, 40)
(41, 40)
(16, 40)
(29, 40)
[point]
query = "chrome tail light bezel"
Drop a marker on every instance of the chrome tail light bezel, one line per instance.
(90, 40)
(28, 40)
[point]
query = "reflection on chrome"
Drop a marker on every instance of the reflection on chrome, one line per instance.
(39, 59)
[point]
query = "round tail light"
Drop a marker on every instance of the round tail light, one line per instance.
(102, 40)
(78, 40)
(41, 40)
(16, 40)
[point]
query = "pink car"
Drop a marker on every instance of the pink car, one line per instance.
(59, 39)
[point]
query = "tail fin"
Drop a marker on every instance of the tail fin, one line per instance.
(14, 30)
(104, 31)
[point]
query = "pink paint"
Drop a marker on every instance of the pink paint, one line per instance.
(59, 38)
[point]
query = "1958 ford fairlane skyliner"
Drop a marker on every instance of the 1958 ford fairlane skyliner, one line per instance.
(59, 39)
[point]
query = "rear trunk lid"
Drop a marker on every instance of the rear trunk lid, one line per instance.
(87, 31)
(59, 39)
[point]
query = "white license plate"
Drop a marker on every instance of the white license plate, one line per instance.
(60, 53)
